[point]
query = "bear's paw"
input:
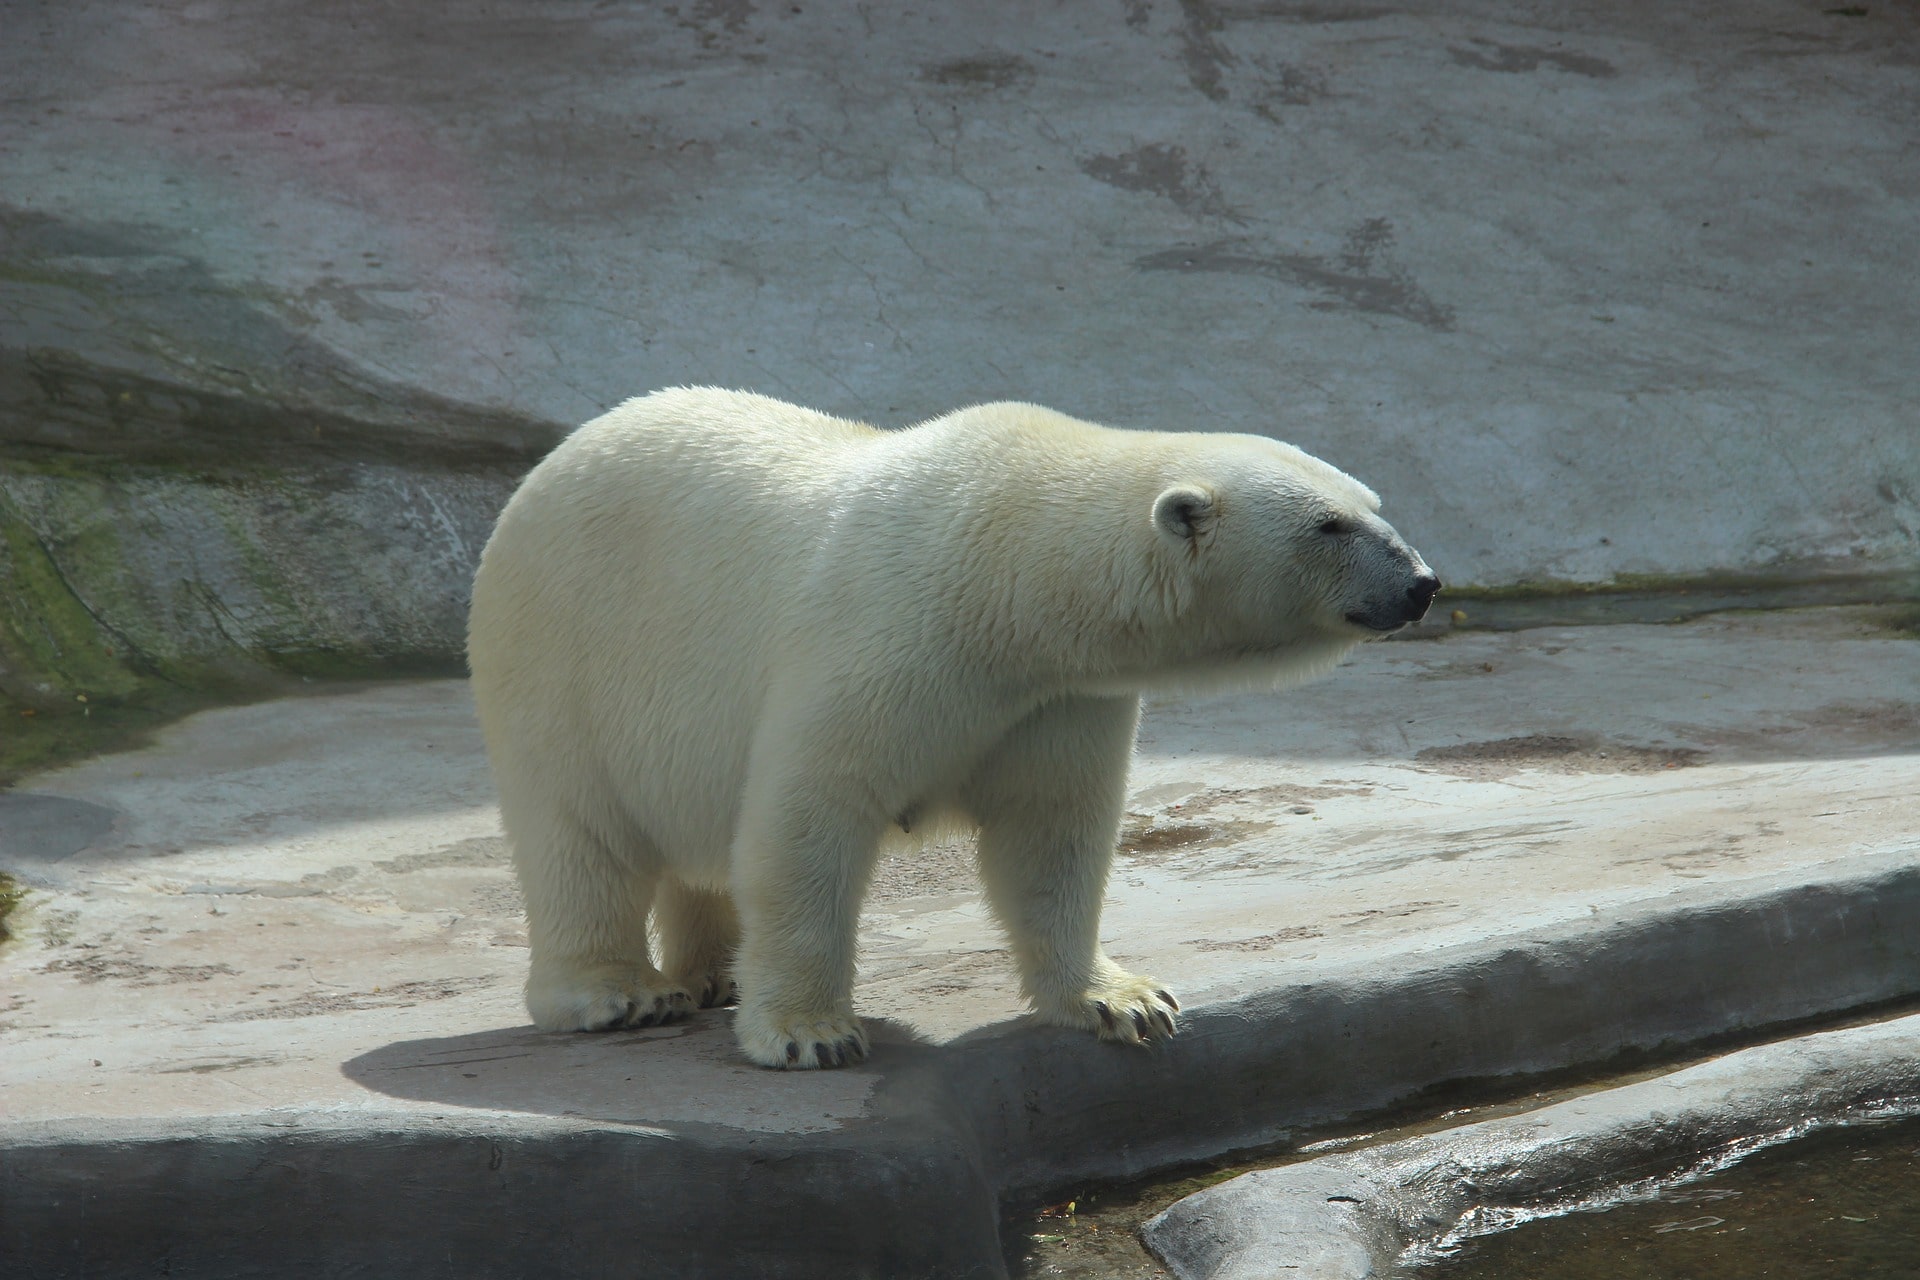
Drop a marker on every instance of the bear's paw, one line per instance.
(717, 991)
(605, 998)
(1123, 1007)
(808, 1042)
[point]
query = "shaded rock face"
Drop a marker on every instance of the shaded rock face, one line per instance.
(115, 576)
(191, 488)
(288, 295)
(120, 346)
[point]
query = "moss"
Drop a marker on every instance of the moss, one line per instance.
(1901, 620)
(1656, 598)
(50, 642)
(39, 737)
(1883, 585)
(11, 895)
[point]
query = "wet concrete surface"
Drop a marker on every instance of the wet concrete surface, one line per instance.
(1384, 1210)
(1843, 1202)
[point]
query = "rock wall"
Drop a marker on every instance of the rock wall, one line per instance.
(290, 294)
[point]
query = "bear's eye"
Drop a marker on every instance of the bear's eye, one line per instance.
(1333, 526)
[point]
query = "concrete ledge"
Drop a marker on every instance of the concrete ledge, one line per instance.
(912, 1185)
(320, 1198)
(1353, 1216)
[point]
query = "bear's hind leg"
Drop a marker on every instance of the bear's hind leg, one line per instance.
(699, 932)
(587, 926)
(1048, 799)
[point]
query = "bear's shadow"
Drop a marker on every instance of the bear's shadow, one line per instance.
(670, 1077)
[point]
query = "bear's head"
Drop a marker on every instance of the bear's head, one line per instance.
(1271, 552)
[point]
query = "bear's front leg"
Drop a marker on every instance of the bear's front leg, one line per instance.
(798, 882)
(1049, 797)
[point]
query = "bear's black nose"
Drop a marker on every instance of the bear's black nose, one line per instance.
(1420, 595)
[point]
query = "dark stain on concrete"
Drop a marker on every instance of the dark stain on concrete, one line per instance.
(984, 71)
(732, 14)
(1147, 838)
(401, 995)
(477, 851)
(1287, 85)
(1163, 170)
(1205, 55)
(89, 969)
(316, 884)
(1392, 913)
(1201, 52)
(1523, 58)
(1264, 942)
(1499, 758)
(41, 828)
(1268, 798)
(1359, 279)
(207, 1066)
(1837, 730)
(714, 20)
(1320, 14)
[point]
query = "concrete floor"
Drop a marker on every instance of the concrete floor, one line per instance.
(291, 927)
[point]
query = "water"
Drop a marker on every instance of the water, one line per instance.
(1843, 1203)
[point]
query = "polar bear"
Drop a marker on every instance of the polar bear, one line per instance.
(724, 649)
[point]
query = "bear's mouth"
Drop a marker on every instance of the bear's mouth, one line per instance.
(1379, 626)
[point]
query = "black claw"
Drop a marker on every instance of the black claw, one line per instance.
(1106, 1014)
(824, 1056)
(1140, 1025)
(1167, 997)
(1165, 1021)
(793, 1052)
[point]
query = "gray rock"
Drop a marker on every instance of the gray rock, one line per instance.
(1352, 1216)
(1621, 296)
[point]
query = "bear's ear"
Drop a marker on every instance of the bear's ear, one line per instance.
(1184, 513)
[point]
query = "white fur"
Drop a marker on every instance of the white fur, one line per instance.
(722, 646)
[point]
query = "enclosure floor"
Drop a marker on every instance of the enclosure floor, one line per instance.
(303, 910)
